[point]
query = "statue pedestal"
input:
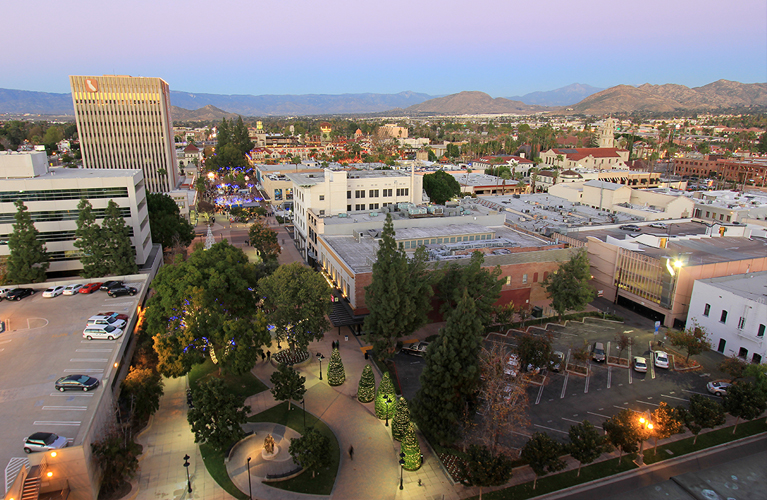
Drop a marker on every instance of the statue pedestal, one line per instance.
(270, 456)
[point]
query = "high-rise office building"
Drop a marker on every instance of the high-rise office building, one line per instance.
(125, 122)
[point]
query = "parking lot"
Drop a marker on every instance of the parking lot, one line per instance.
(43, 341)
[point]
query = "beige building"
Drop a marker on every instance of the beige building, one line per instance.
(124, 122)
(52, 196)
(589, 158)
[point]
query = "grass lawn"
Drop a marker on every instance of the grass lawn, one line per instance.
(322, 484)
(214, 462)
(242, 385)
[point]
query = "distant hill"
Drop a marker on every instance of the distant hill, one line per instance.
(671, 97)
(43, 103)
(564, 96)
(206, 113)
(472, 102)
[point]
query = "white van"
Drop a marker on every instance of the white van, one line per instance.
(102, 332)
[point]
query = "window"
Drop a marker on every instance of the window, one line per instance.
(322, 197)
(373, 206)
(373, 193)
(387, 192)
(359, 207)
(348, 208)
(741, 323)
(723, 317)
(524, 278)
(743, 352)
(760, 332)
(402, 191)
(508, 280)
(360, 193)
(706, 310)
(545, 275)
(535, 277)
(348, 195)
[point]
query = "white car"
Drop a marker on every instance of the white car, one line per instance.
(512, 366)
(72, 289)
(659, 225)
(53, 291)
(102, 332)
(661, 359)
(640, 364)
(106, 320)
(718, 388)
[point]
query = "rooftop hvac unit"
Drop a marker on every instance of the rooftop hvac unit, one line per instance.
(374, 214)
(343, 215)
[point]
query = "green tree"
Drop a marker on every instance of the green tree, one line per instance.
(367, 386)
(143, 387)
(311, 451)
(401, 419)
(534, 350)
(451, 375)
(399, 295)
(703, 413)
(542, 454)
(586, 443)
(336, 373)
(483, 285)
(287, 384)
(568, 287)
(168, 227)
(410, 447)
(744, 401)
(441, 187)
(385, 392)
(217, 415)
(264, 240)
(119, 257)
(666, 422)
(90, 242)
(205, 307)
(694, 340)
(623, 432)
(481, 468)
(28, 259)
(117, 457)
(296, 301)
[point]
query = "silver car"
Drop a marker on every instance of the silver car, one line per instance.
(44, 441)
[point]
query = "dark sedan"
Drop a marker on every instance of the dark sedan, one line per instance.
(119, 291)
(77, 382)
(19, 293)
(108, 285)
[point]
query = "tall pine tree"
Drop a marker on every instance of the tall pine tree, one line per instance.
(411, 449)
(90, 242)
(483, 285)
(451, 375)
(336, 373)
(118, 253)
(367, 387)
(385, 390)
(28, 259)
(401, 419)
(399, 295)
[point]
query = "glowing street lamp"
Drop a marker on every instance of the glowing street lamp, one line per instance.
(646, 425)
(186, 465)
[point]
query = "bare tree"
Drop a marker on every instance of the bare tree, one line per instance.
(622, 342)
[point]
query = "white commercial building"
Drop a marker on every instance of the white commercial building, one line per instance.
(733, 310)
(52, 195)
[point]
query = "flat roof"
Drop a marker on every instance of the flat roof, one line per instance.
(702, 251)
(674, 229)
(751, 286)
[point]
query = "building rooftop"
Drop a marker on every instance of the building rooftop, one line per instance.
(83, 173)
(707, 250)
(734, 200)
(611, 186)
(474, 179)
(750, 286)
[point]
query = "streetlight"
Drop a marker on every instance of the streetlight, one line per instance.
(401, 467)
(303, 405)
(320, 357)
(186, 465)
(646, 425)
(388, 402)
(250, 492)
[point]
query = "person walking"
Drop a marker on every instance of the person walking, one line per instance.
(351, 452)
(268, 355)
(263, 356)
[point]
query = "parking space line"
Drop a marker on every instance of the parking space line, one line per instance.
(84, 370)
(6, 341)
(620, 407)
(646, 403)
(564, 386)
(673, 397)
(586, 387)
(598, 415)
(651, 360)
(631, 380)
(56, 422)
(609, 376)
(540, 393)
(528, 436)
(577, 422)
(550, 429)
(701, 393)
(62, 408)
(88, 360)
(94, 350)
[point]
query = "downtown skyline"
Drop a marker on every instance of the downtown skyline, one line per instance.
(338, 47)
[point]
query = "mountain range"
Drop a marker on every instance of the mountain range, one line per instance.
(722, 94)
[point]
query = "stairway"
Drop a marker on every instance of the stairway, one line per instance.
(31, 488)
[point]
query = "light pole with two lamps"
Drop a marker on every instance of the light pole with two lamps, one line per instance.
(388, 402)
(186, 466)
(320, 357)
(250, 491)
(646, 425)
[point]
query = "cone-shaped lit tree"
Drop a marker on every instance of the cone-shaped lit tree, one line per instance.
(367, 388)
(401, 419)
(385, 390)
(411, 449)
(336, 373)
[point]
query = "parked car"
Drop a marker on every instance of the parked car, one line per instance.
(72, 289)
(718, 388)
(107, 332)
(640, 364)
(659, 225)
(115, 315)
(630, 227)
(661, 359)
(106, 320)
(79, 382)
(119, 291)
(44, 441)
(91, 287)
(557, 362)
(4, 292)
(598, 352)
(108, 285)
(20, 293)
(512, 365)
(416, 349)
(53, 291)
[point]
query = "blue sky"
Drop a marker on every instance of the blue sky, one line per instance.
(500, 47)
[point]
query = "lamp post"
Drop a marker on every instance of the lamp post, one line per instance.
(401, 467)
(186, 465)
(303, 405)
(388, 402)
(646, 425)
(250, 492)
(320, 357)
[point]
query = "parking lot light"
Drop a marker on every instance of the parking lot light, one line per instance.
(646, 425)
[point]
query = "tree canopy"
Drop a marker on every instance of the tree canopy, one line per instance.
(441, 187)
(90, 242)
(287, 384)
(264, 240)
(586, 443)
(169, 228)
(744, 401)
(703, 413)
(694, 340)
(483, 285)
(569, 287)
(217, 415)
(119, 256)
(28, 259)
(482, 468)
(542, 454)
(311, 451)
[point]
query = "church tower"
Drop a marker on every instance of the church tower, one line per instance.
(607, 133)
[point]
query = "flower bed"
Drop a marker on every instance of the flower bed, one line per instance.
(452, 464)
(291, 357)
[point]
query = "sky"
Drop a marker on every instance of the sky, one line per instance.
(504, 48)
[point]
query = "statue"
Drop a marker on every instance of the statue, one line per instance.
(269, 444)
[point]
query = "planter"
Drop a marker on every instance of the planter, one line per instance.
(583, 371)
(618, 362)
(291, 357)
